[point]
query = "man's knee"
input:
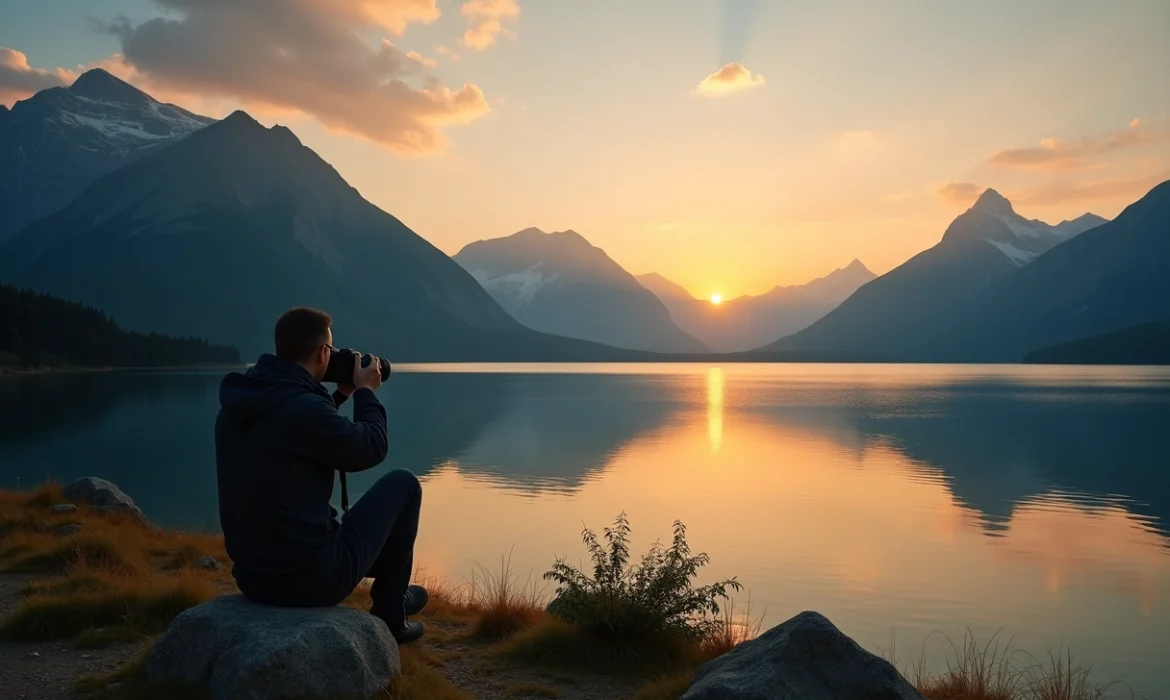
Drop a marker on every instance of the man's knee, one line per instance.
(405, 480)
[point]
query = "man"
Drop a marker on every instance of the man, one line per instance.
(278, 440)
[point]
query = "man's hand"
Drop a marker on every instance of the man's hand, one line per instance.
(368, 377)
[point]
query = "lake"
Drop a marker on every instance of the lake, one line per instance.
(908, 503)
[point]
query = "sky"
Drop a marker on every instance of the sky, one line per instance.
(729, 145)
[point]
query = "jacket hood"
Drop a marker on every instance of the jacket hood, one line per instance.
(244, 397)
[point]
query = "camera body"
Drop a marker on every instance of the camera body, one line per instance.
(340, 368)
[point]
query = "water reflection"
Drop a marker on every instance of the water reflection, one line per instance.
(901, 500)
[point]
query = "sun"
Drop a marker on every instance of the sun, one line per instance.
(716, 299)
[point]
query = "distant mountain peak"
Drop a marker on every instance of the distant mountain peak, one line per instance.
(240, 119)
(98, 84)
(993, 202)
(856, 266)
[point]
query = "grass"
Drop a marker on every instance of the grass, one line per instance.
(502, 604)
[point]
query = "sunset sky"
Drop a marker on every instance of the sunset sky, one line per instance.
(730, 145)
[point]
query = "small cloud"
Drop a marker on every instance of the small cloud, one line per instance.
(733, 77)
(1054, 154)
(19, 80)
(421, 59)
(486, 19)
(961, 194)
(447, 54)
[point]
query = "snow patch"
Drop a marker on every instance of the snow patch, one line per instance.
(115, 129)
(1018, 257)
(1023, 227)
(519, 287)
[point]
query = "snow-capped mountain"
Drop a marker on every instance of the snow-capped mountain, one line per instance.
(747, 322)
(916, 311)
(559, 283)
(57, 142)
(1021, 240)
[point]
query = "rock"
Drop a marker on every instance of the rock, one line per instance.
(64, 508)
(65, 530)
(238, 649)
(805, 658)
(206, 562)
(101, 495)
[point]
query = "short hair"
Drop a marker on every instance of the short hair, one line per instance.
(300, 332)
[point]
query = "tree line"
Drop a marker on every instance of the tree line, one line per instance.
(39, 330)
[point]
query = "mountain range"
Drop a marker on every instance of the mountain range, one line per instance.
(941, 305)
(560, 283)
(747, 322)
(54, 144)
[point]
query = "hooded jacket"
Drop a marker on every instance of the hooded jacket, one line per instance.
(278, 440)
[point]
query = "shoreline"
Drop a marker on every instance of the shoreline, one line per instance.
(33, 371)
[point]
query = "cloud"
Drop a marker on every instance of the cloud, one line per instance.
(18, 79)
(486, 18)
(447, 53)
(732, 77)
(1058, 155)
(1128, 189)
(306, 56)
(961, 194)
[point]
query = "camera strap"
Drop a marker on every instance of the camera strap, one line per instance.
(344, 492)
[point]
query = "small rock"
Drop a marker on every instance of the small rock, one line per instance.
(206, 562)
(70, 529)
(64, 508)
(805, 658)
(237, 649)
(34, 655)
(101, 496)
(86, 656)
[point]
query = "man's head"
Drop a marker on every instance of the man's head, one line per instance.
(304, 336)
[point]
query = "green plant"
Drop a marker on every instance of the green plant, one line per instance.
(656, 597)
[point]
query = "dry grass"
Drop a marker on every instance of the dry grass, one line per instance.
(503, 605)
(665, 688)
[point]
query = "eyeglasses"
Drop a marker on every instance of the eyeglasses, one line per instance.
(332, 349)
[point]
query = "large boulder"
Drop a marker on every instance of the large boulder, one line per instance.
(239, 650)
(805, 658)
(100, 495)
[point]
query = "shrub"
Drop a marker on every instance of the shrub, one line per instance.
(655, 598)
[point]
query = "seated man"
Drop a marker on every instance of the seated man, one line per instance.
(278, 440)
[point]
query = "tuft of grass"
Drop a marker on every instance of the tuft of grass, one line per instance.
(504, 605)
(731, 630)
(92, 550)
(45, 496)
(421, 680)
(146, 605)
(1061, 679)
(666, 687)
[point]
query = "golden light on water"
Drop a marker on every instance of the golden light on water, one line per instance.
(716, 299)
(715, 408)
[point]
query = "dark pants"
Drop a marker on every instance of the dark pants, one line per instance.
(375, 540)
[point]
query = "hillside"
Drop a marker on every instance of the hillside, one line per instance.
(40, 330)
(1147, 344)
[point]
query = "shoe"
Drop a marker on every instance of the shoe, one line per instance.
(407, 631)
(414, 600)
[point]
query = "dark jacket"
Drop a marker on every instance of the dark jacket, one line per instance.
(278, 440)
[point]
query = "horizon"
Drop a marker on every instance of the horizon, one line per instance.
(667, 158)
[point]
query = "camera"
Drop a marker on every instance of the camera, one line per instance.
(340, 367)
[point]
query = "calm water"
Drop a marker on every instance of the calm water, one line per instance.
(898, 500)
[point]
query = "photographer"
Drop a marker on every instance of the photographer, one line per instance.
(278, 439)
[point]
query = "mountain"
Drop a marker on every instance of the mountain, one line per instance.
(42, 330)
(56, 143)
(920, 310)
(1112, 277)
(748, 322)
(218, 233)
(559, 283)
(1146, 344)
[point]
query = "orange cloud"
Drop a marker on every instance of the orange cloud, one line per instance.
(1057, 155)
(314, 61)
(447, 53)
(1128, 189)
(18, 79)
(961, 194)
(733, 77)
(486, 18)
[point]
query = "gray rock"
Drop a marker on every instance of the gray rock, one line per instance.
(65, 530)
(805, 658)
(64, 508)
(101, 495)
(242, 651)
(206, 562)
